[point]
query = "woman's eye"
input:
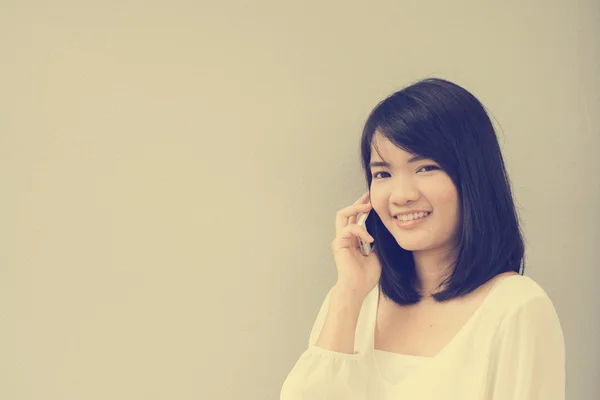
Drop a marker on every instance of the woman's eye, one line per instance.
(376, 173)
(428, 166)
(420, 169)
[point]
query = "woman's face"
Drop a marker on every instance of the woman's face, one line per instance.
(407, 185)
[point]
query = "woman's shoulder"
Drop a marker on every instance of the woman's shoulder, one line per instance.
(515, 291)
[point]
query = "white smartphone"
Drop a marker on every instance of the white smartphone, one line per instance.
(365, 247)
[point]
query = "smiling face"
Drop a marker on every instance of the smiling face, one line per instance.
(417, 184)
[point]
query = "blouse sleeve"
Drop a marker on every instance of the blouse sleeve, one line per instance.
(530, 354)
(324, 374)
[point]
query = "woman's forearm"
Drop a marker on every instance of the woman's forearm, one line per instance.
(339, 329)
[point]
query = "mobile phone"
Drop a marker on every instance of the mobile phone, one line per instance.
(365, 247)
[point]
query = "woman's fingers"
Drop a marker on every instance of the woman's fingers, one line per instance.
(343, 215)
(364, 199)
(349, 236)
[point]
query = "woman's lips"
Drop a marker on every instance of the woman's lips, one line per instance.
(410, 224)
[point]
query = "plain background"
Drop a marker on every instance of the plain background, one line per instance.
(170, 173)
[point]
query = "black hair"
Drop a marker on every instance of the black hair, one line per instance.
(444, 122)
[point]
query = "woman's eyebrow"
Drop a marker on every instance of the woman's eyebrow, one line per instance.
(386, 164)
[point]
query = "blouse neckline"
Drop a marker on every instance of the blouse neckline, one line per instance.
(432, 360)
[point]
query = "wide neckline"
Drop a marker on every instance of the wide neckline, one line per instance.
(428, 361)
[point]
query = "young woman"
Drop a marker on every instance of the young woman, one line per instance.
(440, 309)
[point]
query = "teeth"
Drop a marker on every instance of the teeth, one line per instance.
(410, 217)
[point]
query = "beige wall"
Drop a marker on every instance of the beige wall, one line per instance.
(170, 173)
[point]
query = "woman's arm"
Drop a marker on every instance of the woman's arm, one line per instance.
(339, 329)
(329, 368)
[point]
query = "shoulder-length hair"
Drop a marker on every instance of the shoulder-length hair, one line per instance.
(444, 122)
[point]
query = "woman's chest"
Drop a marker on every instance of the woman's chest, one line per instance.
(420, 331)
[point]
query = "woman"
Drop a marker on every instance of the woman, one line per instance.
(440, 309)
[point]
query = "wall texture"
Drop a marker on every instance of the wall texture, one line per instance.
(170, 173)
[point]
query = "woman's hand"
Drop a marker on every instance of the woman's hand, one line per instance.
(357, 274)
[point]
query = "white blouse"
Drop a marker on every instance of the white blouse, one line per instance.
(512, 348)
